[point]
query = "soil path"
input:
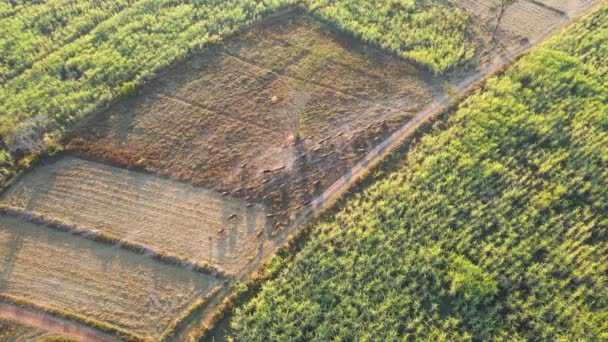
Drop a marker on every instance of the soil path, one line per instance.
(52, 324)
(333, 193)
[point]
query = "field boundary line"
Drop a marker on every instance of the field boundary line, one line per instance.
(549, 8)
(279, 12)
(434, 109)
(358, 171)
(361, 170)
(110, 239)
(101, 109)
(73, 325)
(180, 321)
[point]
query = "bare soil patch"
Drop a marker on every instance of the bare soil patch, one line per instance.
(18, 324)
(570, 7)
(221, 128)
(225, 119)
(164, 215)
(88, 279)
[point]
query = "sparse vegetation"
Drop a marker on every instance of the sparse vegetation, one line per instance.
(87, 57)
(494, 228)
(499, 10)
(169, 221)
(11, 331)
(238, 111)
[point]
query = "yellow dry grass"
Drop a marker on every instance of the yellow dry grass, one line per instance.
(15, 332)
(101, 282)
(223, 117)
(164, 215)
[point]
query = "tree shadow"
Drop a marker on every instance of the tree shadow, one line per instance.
(12, 247)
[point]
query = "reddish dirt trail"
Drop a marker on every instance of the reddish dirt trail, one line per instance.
(52, 324)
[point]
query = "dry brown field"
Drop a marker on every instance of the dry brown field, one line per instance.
(15, 332)
(211, 160)
(570, 7)
(225, 119)
(64, 272)
(166, 216)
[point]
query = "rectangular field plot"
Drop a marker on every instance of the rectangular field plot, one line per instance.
(164, 215)
(228, 118)
(81, 277)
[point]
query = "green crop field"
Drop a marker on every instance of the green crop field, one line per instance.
(493, 227)
(437, 37)
(60, 61)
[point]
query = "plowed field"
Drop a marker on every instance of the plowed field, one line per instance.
(226, 119)
(570, 7)
(525, 22)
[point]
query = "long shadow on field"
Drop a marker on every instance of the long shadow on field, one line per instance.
(9, 261)
(301, 172)
(36, 191)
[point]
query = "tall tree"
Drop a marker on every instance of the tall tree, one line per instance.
(500, 10)
(294, 112)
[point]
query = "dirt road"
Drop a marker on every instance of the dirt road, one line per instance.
(51, 324)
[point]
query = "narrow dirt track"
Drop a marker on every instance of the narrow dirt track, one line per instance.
(51, 324)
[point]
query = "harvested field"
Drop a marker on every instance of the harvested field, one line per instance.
(226, 119)
(164, 215)
(526, 22)
(100, 282)
(246, 134)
